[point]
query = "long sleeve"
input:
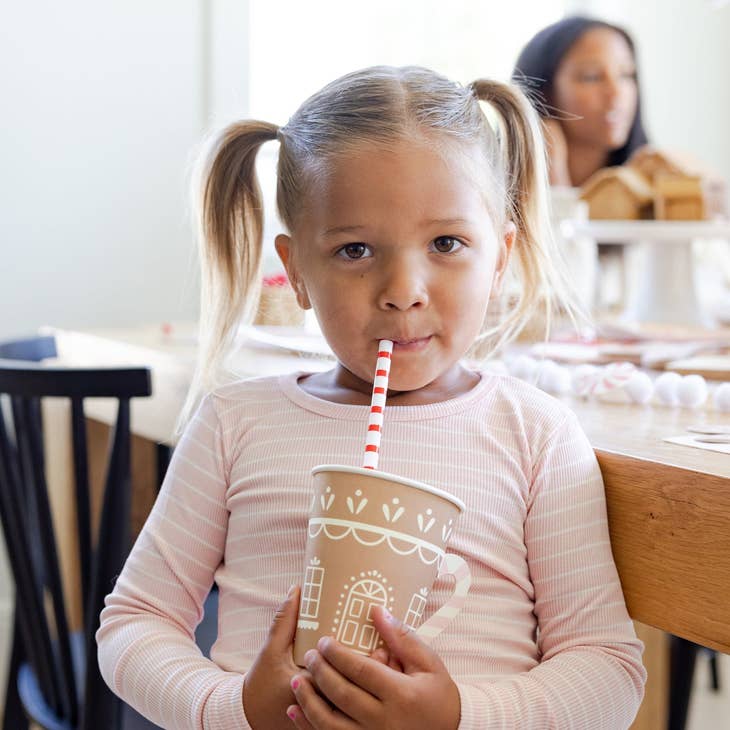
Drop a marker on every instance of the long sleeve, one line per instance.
(147, 652)
(590, 673)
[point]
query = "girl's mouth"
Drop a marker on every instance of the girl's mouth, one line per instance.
(411, 345)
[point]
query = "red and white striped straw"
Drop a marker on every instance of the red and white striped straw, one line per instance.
(377, 405)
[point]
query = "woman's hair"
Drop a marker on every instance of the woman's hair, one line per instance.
(539, 61)
(382, 106)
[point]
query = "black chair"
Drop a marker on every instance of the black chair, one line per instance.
(59, 685)
(33, 349)
(683, 657)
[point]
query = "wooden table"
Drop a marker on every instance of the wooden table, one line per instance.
(669, 518)
(669, 505)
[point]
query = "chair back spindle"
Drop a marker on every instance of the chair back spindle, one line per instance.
(83, 501)
(29, 599)
(50, 576)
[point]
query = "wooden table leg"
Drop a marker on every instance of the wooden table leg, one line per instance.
(58, 454)
(653, 711)
(143, 468)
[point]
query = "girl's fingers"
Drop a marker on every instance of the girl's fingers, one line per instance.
(295, 714)
(405, 645)
(395, 665)
(283, 627)
(381, 655)
(367, 673)
(313, 711)
(347, 696)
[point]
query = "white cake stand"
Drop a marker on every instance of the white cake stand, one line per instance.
(661, 286)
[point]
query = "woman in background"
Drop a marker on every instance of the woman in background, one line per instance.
(581, 75)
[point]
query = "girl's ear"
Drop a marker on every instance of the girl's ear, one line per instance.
(508, 240)
(284, 249)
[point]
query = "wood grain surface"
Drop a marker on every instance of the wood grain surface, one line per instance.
(670, 535)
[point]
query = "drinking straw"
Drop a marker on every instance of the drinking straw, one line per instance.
(377, 405)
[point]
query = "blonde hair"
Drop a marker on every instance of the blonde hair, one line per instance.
(382, 105)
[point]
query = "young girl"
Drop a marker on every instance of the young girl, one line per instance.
(403, 207)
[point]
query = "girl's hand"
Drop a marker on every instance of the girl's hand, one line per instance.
(266, 689)
(382, 655)
(557, 150)
(367, 693)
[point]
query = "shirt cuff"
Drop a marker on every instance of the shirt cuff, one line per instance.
(497, 705)
(224, 708)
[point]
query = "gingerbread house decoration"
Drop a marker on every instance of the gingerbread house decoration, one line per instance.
(679, 188)
(618, 192)
(685, 189)
(679, 198)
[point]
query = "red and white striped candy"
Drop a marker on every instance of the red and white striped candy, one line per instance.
(377, 404)
(614, 376)
(590, 380)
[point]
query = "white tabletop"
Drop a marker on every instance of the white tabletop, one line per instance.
(625, 231)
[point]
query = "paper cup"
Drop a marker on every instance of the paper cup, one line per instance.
(375, 539)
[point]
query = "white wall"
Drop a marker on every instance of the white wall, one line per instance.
(684, 57)
(102, 107)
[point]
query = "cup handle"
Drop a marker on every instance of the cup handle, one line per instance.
(455, 565)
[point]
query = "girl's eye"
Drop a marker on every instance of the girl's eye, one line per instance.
(354, 251)
(447, 244)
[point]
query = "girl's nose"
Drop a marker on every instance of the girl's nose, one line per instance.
(403, 287)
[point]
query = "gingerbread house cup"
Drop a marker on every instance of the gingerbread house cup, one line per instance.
(374, 539)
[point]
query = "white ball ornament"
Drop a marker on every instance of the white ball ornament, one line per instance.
(561, 381)
(640, 387)
(524, 367)
(721, 397)
(553, 378)
(666, 386)
(692, 391)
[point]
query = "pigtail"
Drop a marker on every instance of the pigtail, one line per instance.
(229, 212)
(545, 285)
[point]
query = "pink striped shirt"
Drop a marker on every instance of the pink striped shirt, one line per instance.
(544, 639)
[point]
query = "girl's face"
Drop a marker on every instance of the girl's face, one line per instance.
(397, 244)
(596, 81)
